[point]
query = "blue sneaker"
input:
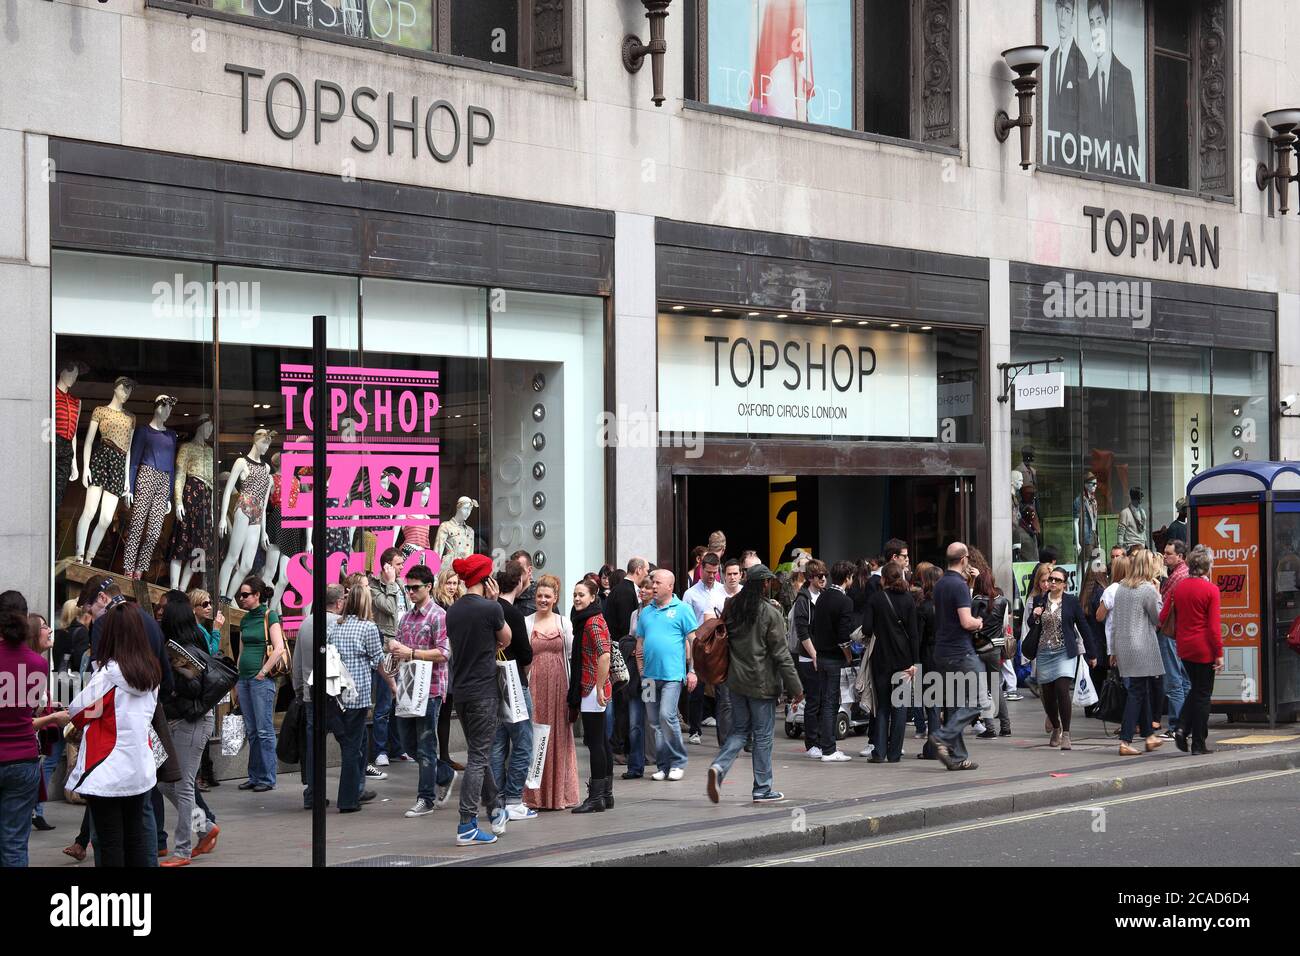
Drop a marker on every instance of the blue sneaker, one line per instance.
(499, 820)
(468, 834)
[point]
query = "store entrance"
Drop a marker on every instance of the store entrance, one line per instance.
(831, 517)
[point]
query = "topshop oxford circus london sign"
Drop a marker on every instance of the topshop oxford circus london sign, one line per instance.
(374, 118)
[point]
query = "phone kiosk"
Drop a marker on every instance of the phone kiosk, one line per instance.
(1248, 514)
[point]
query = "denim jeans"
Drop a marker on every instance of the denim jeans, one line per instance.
(1176, 683)
(308, 754)
(1138, 707)
(478, 719)
(512, 750)
(967, 672)
(349, 728)
(670, 749)
(419, 737)
(812, 704)
(635, 732)
(889, 726)
(49, 764)
(828, 690)
(20, 785)
(257, 703)
(384, 737)
(750, 715)
(722, 712)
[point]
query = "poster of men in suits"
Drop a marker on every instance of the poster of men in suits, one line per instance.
(1094, 86)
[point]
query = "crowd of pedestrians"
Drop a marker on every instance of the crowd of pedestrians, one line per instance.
(636, 652)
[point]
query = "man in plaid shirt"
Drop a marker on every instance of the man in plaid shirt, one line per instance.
(422, 636)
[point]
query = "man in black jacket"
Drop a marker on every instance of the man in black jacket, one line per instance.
(629, 738)
(513, 747)
(803, 613)
(832, 626)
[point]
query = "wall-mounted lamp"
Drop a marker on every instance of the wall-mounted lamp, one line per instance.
(1023, 60)
(1283, 123)
(634, 51)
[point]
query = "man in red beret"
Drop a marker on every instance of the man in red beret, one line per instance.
(476, 628)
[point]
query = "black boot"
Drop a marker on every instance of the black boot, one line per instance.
(609, 793)
(595, 802)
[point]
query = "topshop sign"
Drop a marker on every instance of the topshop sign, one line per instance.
(741, 377)
(377, 118)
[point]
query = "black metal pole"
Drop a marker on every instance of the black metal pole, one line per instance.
(319, 433)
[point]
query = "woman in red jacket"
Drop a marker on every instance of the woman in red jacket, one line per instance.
(1195, 606)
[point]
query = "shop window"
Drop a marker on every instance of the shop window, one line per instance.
(1138, 90)
(531, 36)
(1117, 440)
(880, 66)
(957, 356)
(1241, 407)
(549, 433)
(1180, 426)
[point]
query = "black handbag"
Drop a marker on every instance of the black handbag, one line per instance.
(217, 678)
(1111, 698)
(289, 747)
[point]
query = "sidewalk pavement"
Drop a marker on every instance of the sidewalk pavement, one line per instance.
(673, 823)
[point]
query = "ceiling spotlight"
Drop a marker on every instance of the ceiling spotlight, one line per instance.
(752, 314)
(782, 316)
(926, 328)
(894, 325)
(863, 322)
(836, 321)
(678, 308)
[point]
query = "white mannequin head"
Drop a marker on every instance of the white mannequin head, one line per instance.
(162, 408)
(464, 506)
(424, 496)
(122, 389)
(69, 372)
(262, 441)
(1017, 481)
(204, 429)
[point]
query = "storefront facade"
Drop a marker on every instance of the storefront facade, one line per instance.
(515, 212)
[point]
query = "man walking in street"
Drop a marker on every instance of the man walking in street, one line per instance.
(706, 598)
(1176, 682)
(422, 636)
(476, 628)
(955, 658)
(628, 736)
(803, 612)
(389, 603)
(665, 631)
(513, 747)
(832, 625)
(759, 667)
(302, 667)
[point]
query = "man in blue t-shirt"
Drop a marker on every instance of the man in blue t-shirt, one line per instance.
(955, 658)
(665, 631)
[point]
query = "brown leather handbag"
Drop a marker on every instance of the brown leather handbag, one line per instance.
(711, 655)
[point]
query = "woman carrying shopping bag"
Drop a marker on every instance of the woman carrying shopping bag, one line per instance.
(590, 691)
(1059, 638)
(551, 636)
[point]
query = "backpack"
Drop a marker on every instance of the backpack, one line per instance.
(791, 635)
(711, 655)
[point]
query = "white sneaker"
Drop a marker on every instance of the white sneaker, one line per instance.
(659, 775)
(676, 773)
(381, 760)
(838, 756)
(708, 722)
(499, 820)
(694, 739)
(374, 773)
(868, 750)
(978, 727)
(814, 752)
(517, 811)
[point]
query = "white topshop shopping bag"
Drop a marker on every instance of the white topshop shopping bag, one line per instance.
(233, 735)
(159, 751)
(1085, 691)
(413, 679)
(537, 763)
(514, 709)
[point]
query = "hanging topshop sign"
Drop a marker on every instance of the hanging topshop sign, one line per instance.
(382, 463)
(745, 377)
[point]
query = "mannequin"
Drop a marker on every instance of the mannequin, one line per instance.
(192, 495)
(416, 537)
(1133, 528)
(455, 537)
(105, 467)
(153, 469)
(252, 475)
(1028, 472)
(338, 540)
(1085, 519)
(66, 412)
(286, 543)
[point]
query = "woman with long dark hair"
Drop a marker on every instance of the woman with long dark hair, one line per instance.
(261, 645)
(759, 668)
(1060, 643)
(20, 773)
(40, 638)
(590, 690)
(191, 726)
(989, 604)
(890, 615)
(927, 576)
(115, 766)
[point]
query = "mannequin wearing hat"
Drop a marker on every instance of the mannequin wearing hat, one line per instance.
(192, 497)
(153, 467)
(1133, 525)
(67, 410)
(455, 537)
(252, 476)
(104, 468)
(1085, 519)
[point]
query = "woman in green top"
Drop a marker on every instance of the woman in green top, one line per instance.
(258, 631)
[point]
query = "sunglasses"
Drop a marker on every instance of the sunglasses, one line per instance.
(415, 587)
(1056, 580)
(241, 595)
(205, 604)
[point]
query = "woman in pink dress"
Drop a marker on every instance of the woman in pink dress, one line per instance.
(548, 679)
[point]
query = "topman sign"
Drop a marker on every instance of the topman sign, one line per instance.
(396, 121)
(1135, 234)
